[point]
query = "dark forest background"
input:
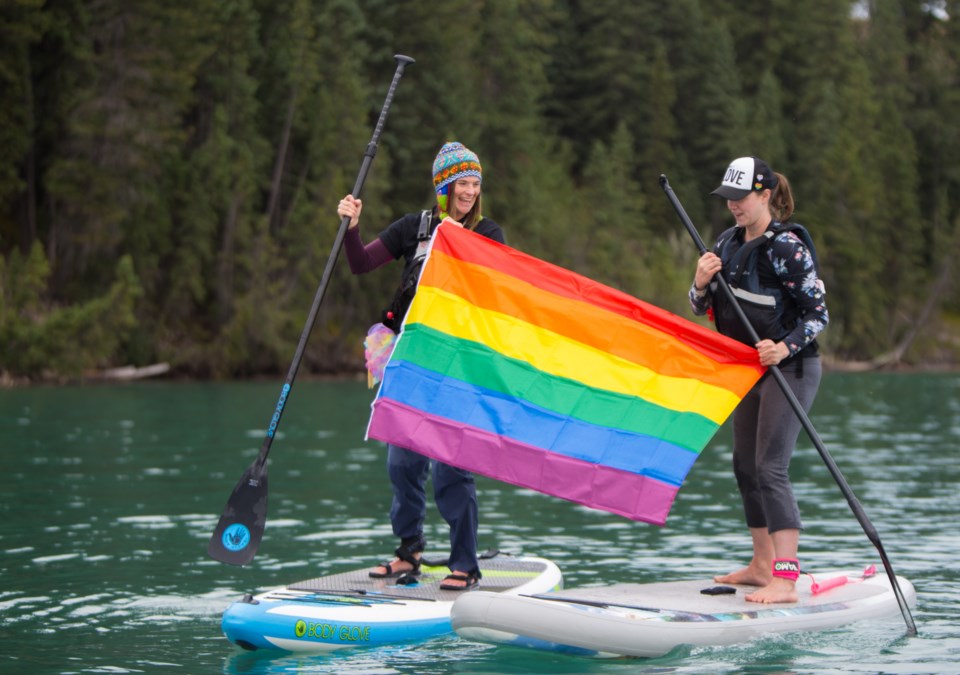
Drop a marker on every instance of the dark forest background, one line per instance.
(169, 170)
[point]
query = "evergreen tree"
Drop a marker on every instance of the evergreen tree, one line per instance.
(844, 201)
(758, 29)
(712, 110)
(107, 181)
(661, 152)
(599, 77)
(210, 142)
(38, 338)
(934, 59)
(22, 25)
(764, 124)
(524, 173)
(824, 139)
(895, 158)
(228, 162)
(338, 116)
(614, 237)
(441, 97)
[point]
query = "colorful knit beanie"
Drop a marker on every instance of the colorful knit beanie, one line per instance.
(453, 161)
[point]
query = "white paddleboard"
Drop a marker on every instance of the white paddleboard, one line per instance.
(352, 609)
(650, 620)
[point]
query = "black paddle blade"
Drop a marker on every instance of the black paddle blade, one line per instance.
(237, 536)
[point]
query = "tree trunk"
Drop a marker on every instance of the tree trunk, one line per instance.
(301, 181)
(28, 223)
(275, 182)
(940, 286)
(225, 271)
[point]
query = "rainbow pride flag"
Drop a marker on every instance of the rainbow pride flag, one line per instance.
(528, 373)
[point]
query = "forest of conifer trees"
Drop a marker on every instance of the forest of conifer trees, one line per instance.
(170, 170)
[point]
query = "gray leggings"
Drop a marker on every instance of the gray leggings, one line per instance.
(765, 430)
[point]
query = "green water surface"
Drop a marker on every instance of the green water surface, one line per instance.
(110, 494)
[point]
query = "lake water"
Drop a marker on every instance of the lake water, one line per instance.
(110, 494)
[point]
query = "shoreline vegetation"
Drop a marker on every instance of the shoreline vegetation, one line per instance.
(163, 371)
(171, 171)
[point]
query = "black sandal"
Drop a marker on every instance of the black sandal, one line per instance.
(470, 579)
(404, 553)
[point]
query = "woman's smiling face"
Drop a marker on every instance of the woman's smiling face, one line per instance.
(463, 195)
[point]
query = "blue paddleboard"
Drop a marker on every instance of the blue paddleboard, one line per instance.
(351, 609)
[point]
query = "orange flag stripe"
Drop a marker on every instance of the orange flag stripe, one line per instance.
(473, 248)
(589, 324)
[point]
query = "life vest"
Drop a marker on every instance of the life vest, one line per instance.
(393, 315)
(748, 271)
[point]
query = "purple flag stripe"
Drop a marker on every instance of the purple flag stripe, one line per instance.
(601, 487)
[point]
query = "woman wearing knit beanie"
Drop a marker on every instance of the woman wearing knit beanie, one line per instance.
(457, 176)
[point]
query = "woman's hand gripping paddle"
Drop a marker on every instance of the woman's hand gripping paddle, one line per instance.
(240, 529)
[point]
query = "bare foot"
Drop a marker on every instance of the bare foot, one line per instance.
(778, 590)
(749, 576)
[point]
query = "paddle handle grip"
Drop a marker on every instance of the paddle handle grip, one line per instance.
(402, 63)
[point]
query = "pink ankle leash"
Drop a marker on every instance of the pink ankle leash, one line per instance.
(786, 568)
(816, 588)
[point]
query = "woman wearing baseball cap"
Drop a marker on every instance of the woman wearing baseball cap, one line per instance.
(770, 265)
(457, 176)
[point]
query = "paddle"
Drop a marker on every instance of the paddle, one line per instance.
(855, 506)
(240, 529)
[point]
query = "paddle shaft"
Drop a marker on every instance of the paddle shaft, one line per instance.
(368, 156)
(777, 375)
(247, 503)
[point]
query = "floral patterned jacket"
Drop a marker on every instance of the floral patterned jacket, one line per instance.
(795, 269)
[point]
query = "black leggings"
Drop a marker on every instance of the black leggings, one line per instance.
(765, 430)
